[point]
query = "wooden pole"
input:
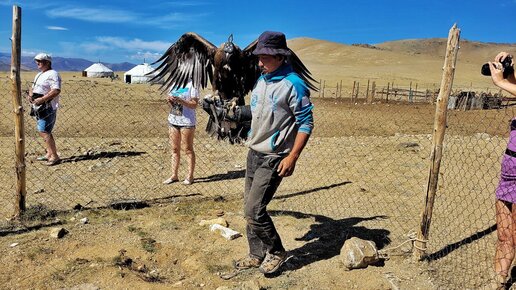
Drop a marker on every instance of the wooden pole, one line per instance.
(410, 93)
(353, 91)
(437, 140)
(323, 83)
(373, 91)
(340, 92)
(367, 93)
(19, 131)
(356, 96)
(387, 96)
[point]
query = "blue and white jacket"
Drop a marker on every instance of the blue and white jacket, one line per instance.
(281, 107)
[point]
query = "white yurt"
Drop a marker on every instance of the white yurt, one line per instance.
(138, 74)
(97, 70)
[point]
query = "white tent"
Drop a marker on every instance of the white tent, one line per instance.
(138, 74)
(97, 70)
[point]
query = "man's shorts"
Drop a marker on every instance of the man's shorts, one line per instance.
(46, 124)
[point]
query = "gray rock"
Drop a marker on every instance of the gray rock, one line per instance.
(58, 233)
(357, 253)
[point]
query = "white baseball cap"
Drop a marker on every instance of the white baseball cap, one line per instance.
(43, 56)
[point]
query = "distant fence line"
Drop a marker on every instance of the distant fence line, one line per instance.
(465, 98)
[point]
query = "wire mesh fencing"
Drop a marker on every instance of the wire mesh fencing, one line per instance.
(363, 173)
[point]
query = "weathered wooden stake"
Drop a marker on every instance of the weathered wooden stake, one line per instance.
(373, 91)
(410, 93)
(340, 92)
(367, 93)
(387, 96)
(437, 141)
(353, 91)
(356, 96)
(19, 131)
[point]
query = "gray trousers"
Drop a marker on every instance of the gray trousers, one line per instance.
(261, 182)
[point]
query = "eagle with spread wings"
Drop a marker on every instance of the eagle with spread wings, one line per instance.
(231, 72)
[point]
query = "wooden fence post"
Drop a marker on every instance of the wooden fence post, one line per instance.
(19, 130)
(353, 91)
(340, 92)
(356, 96)
(387, 95)
(410, 93)
(324, 84)
(437, 140)
(373, 91)
(367, 93)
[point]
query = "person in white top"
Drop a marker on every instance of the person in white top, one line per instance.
(182, 121)
(44, 99)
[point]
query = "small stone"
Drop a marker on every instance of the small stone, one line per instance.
(178, 284)
(13, 245)
(58, 233)
(220, 221)
(84, 220)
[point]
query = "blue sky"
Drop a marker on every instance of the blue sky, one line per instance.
(118, 31)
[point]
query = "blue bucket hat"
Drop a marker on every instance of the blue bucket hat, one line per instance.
(272, 43)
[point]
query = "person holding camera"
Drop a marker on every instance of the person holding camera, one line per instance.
(502, 74)
(44, 99)
(182, 121)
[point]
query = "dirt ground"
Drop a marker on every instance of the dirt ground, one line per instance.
(364, 173)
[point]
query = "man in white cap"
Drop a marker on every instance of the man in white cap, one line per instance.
(44, 98)
(281, 124)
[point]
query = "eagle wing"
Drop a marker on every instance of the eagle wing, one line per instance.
(250, 67)
(293, 59)
(190, 57)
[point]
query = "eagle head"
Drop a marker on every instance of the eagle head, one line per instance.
(229, 47)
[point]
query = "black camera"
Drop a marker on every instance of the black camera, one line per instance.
(507, 68)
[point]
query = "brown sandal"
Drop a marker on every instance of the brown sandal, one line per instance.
(247, 263)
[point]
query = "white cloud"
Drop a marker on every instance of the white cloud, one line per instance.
(94, 47)
(134, 44)
(56, 28)
(93, 14)
(106, 15)
(29, 52)
(147, 56)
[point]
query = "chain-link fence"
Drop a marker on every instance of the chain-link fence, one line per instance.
(366, 163)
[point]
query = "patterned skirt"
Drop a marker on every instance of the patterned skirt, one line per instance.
(506, 189)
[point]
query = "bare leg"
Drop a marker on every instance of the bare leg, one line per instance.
(50, 145)
(187, 138)
(175, 144)
(506, 237)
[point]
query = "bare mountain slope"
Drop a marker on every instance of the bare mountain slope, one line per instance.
(418, 61)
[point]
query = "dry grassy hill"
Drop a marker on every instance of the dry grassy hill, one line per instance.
(413, 60)
(416, 60)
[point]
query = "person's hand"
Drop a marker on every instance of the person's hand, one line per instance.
(174, 99)
(496, 72)
(287, 166)
(38, 101)
(500, 57)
